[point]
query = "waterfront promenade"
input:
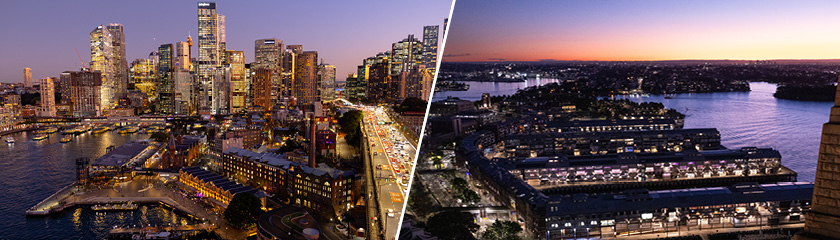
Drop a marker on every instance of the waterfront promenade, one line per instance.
(141, 189)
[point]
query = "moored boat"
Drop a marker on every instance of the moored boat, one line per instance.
(40, 137)
(66, 139)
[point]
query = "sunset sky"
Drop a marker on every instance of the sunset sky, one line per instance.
(43, 35)
(496, 30)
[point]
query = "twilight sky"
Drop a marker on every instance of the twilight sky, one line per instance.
(493, 30)
(43, 35)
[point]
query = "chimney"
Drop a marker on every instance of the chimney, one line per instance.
(312, 141)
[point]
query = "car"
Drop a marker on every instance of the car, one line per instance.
(402, 166)
(391, 212)
(397, 170)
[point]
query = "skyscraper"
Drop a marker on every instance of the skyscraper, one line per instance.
(824, 217)
(47, 98)
(27, 77)
(305, 87)
(209, 55)
(268, 54)
(165, 86)
(236, 61)
(326, 74)
(183, 56)
(405, 54)
(102, 60)
(261, 85)
(430, 46)
(85, 92)
(120, 69)
(381, 86)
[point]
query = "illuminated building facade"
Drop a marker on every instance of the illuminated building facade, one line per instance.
(238, 92)
(406, 54)
(430, 46)
(305, 88)
(102, 60)
(47, 97)
(261, 86)
(209, 55)
(166, 75)
(27, 77)
(322, 189)
(85, 92)
(326, 74)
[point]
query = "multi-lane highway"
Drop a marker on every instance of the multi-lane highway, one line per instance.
(391, 156)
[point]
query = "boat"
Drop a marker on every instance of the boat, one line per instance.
(115, 207)
(40, 137)
(130, 129)
(101, 129)
(51, 130)
(10, 139)
(66, 139)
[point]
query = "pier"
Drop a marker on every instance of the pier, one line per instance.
(141, 190)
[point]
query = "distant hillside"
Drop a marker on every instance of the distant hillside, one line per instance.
(823, 93)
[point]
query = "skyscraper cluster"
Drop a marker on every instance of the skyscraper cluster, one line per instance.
(406, 71)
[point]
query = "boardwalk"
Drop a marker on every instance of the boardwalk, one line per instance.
(142, 189)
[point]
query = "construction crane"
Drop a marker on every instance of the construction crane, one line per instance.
(80, 58)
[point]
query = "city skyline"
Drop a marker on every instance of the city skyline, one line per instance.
(48, 56)
(642, 31)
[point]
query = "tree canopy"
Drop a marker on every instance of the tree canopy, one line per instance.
(350, 123)
(452, 225)
(243, 211)
(411, 104)
(502, 230)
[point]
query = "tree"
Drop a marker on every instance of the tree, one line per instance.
(350, 124)
(452, 225)
(243, 211)
(502, 230)
(159, 137)
(411, 104)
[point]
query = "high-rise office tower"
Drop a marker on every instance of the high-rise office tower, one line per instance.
(353, 87)
(285, 95)
(305, 87)
(209, 54)
(238, 91)
(430, 46)
(143, 73)
(326, 74)
(119, 60)
(47, 98)
(165, 72)
(381, 85)
(85, 92)
(405, 54)
(102, 60)
(824, 217)
(416, 83)
(64, 82)
(27, 77)
(261, 86)
(182, 56)
(268, 54)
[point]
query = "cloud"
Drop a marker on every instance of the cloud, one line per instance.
(496, 59)
(456, 55)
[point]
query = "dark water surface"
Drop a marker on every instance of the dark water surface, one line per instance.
(31, 171)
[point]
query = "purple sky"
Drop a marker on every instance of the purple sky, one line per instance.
(43, 35)
(492, 30)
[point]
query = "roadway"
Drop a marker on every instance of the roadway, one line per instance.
(391, 155)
